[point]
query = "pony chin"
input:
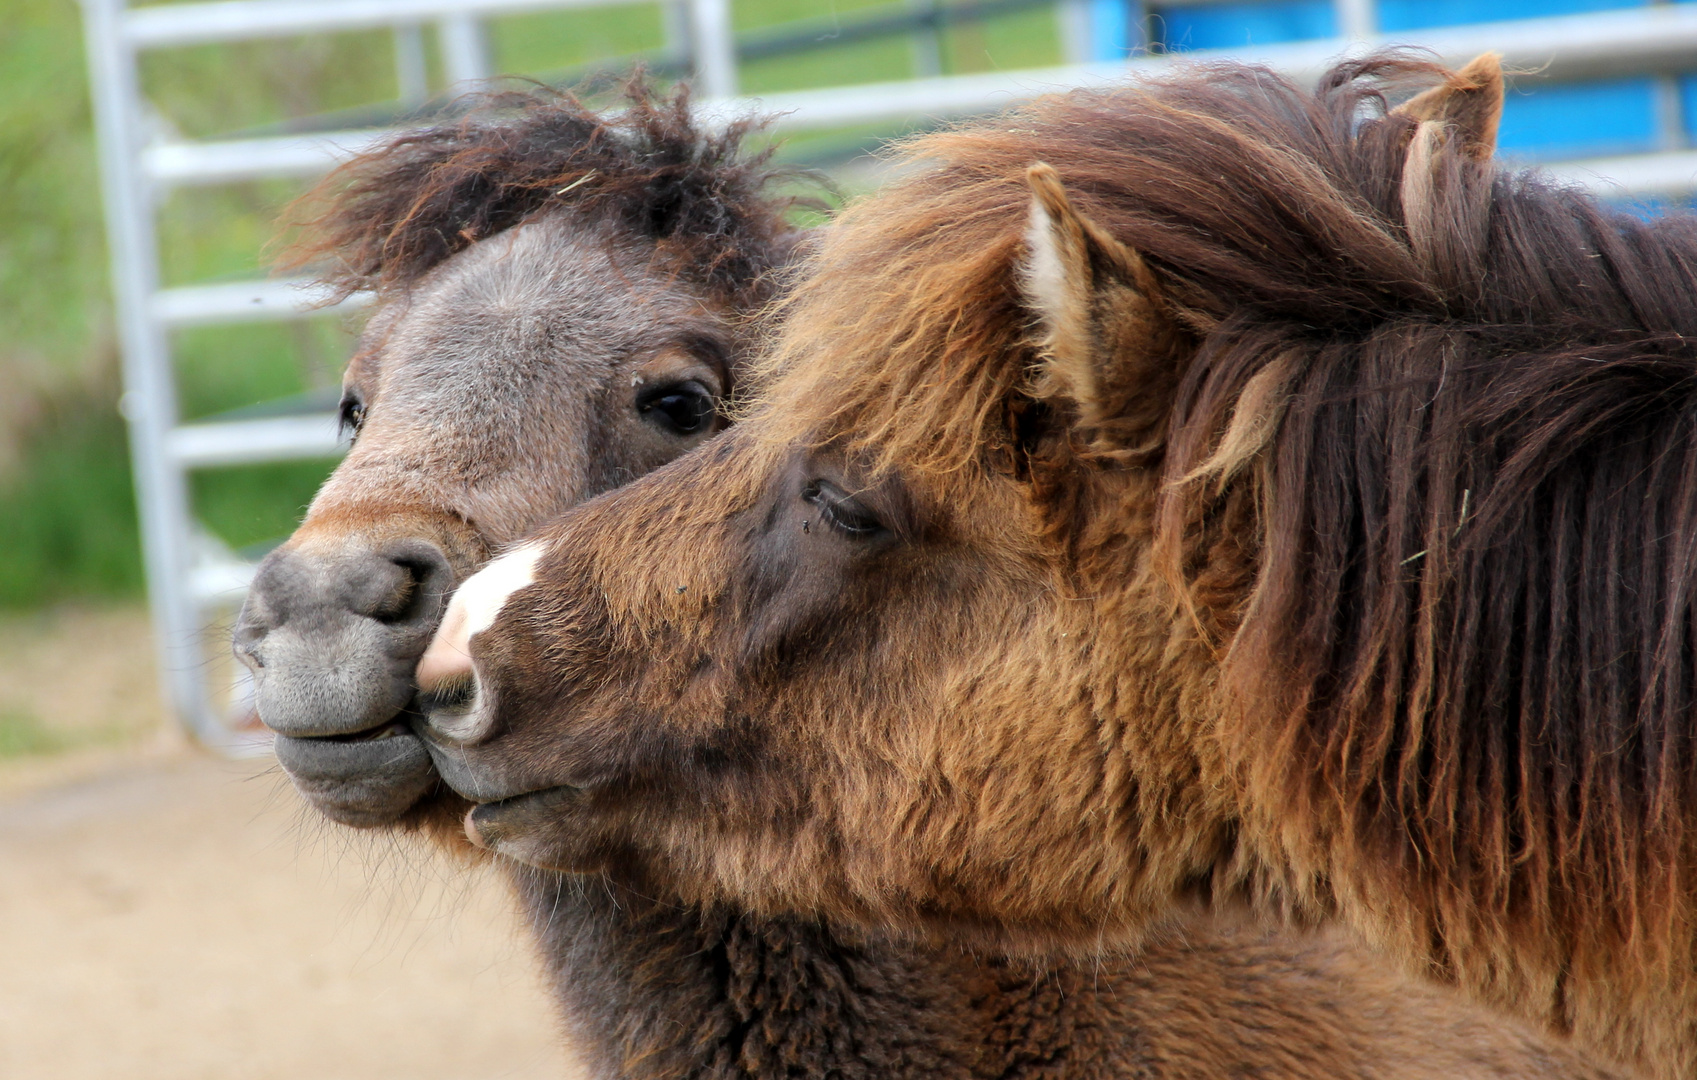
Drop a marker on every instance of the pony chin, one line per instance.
(363, 784)
(554, 829)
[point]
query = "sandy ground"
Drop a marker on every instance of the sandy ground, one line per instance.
(167, 914)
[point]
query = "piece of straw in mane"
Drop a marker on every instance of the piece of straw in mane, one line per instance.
(384, 219)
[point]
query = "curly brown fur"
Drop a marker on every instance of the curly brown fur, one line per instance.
(655, 991)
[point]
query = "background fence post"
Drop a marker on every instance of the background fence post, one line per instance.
(714, 49)
(1358, 20)
(149, 403)
(465, 51)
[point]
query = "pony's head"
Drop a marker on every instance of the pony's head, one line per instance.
(1202, 489)
(564, 302)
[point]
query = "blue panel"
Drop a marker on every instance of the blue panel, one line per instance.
(1232, 26)
(1397, 15)
(1650, 207)
(1111, 32)
(1615, 116)
(1688, 102)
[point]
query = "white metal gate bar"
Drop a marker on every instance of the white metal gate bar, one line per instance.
(149, 387)
(243, 20)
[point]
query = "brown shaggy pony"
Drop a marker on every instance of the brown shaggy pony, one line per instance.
(544, 334)
(1266, 502)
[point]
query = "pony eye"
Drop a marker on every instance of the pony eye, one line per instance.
(681, 408)
(841, 510)
(351, 415)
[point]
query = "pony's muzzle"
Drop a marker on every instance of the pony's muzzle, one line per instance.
(454, 709)
(332, 634)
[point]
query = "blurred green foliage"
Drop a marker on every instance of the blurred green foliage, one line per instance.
(23, 733)
(65, 496)
(552, 41)
(69, 513)
(69, 518)
(52, 252)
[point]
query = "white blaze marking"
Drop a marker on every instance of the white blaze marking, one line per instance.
(472, 610)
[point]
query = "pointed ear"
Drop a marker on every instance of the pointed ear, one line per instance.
(1105, 324)
(1469, 102)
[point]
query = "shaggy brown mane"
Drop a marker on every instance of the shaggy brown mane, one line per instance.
(1463, 631)
(1239, 188)
(384, 219)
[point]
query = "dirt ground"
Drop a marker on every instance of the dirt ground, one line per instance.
(168, 914)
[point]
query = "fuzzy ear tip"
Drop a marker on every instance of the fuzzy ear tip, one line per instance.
(1043, 180)
(1487, 63)
(1483, 72)
(1047, 191)
(1470, 100)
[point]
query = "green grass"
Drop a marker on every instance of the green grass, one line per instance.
(254, 506)
(53, 308)
(21, 735)
(207, 90)
(556, 40)
(68, 514)
(24, 734)
(230, 367)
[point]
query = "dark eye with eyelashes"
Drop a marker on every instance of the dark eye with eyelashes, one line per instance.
(842, 511)
(683, 408)
(351, 415)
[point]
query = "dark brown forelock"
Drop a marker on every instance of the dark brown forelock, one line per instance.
(1471, 619)
(386, 218)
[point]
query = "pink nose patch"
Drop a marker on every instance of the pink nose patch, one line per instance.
(449, 654)
(473, 610)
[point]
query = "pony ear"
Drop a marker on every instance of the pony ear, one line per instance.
(1469, 102)
(1102, 314)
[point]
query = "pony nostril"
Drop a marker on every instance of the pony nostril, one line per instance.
(252, 626)
(248, 653)
(402, 602)
(332, 631)
(248, 635)
(418, 591)
(454, 711)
